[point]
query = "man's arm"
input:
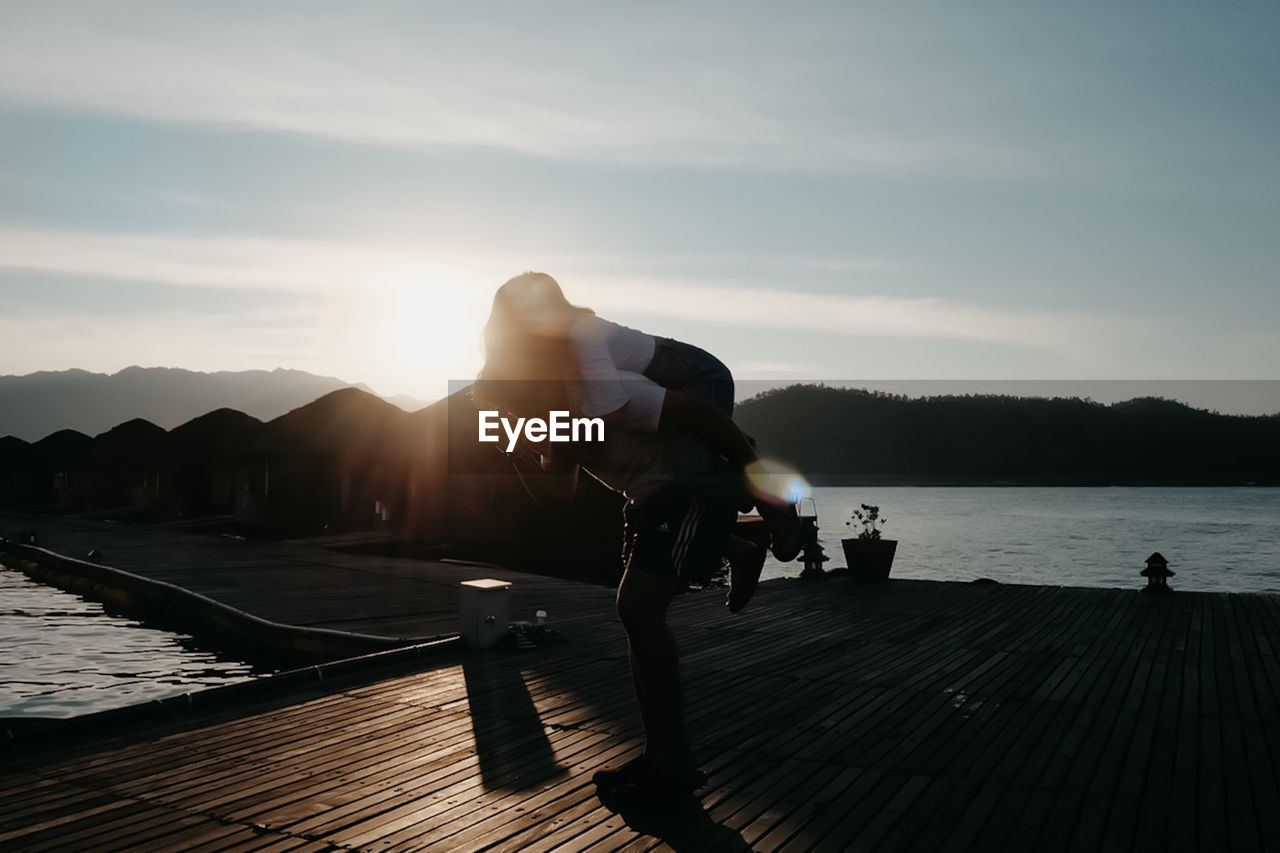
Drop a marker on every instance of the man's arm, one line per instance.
(550, 479)
(682, 413)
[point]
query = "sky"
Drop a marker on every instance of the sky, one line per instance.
(900, 191)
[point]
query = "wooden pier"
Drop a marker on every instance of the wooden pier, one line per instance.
(911, 715)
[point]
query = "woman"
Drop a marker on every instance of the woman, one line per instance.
(551, 354)
(670, 448)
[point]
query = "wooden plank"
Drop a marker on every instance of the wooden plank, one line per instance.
(730, 808)
(467, 803)
(1126, 779)
(921, 716)
(1242, 810)
(462, 825)
(1257, 712)
(1095, 772)
(1152, 814)
(1211, 769)
(777, 806)
(53, 832)
(1070, 708)
(571, 733)
(1016, 720)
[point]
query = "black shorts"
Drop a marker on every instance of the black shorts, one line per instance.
(676, 534)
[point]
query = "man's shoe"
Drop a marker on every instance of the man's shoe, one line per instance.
(611, 777)
(659, 786)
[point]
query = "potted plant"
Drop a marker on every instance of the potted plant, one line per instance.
(868, 555)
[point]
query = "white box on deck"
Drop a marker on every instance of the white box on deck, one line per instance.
(485, 605)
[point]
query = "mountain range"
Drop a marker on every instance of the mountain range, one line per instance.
(840, 436)
(834, 435)
(350, 461)
(38, 404)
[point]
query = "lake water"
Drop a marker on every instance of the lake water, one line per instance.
(1216, 539)
(61, 655)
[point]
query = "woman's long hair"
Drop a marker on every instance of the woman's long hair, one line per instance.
(528, 358)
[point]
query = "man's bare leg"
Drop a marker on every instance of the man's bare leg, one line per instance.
(668, 764)
(643, 599)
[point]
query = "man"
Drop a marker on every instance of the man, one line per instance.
(675, 535)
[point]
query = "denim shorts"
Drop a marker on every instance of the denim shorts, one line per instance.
(682, 367)
(691, 370)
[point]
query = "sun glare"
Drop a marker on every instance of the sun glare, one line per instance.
(430, 326)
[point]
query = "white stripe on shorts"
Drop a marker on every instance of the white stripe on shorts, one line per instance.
(685, 538)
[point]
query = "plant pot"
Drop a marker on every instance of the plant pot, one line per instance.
(869, 559)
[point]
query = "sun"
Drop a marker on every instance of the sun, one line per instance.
(430, 327)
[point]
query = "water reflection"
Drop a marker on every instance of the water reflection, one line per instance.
(61, 656)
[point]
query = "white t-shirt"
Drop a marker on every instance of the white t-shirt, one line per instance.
(612, 359)
(637, 464)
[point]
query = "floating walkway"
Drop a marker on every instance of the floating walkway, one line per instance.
(347, 603)
(912, 715)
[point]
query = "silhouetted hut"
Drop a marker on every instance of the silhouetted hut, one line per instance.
(63, 471)
(17, 470)
(131, 463)
(421, 439)
(220, 467)
(330, 463)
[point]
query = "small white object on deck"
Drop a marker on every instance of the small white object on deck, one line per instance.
(484, 608)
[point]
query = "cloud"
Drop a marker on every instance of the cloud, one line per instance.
(311, 266)
(799, 91)
(396, 319)
(1081, 336)
(355, 289)
(352, 269)
(222, 261)
(766, 369)
(162, 339)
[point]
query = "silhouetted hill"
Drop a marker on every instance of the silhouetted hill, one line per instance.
(342, 418)
(135, 437)
(220, 431)
(64, 447)
(12, 448)
(35, 405)
(839, 435)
